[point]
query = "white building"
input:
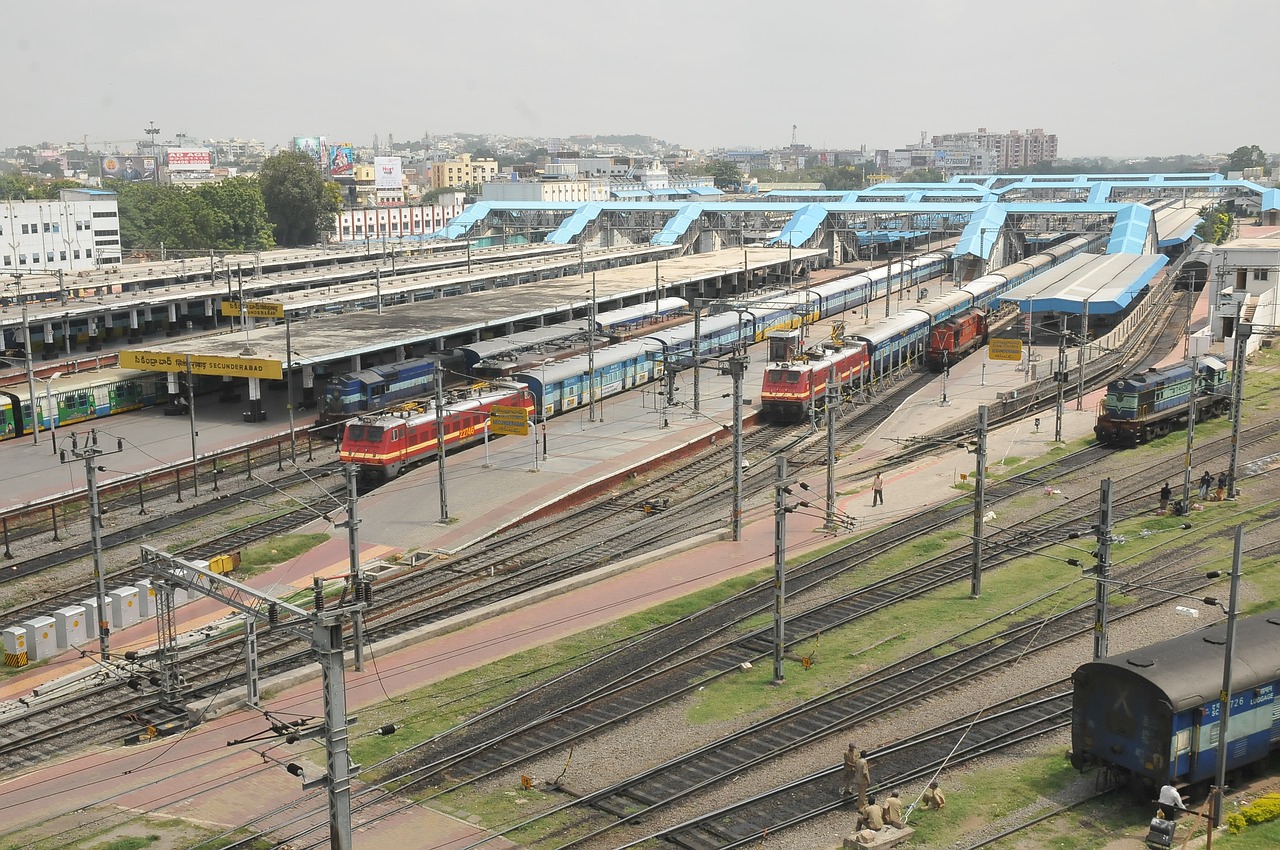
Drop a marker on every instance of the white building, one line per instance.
(1243, 274)
(79, 231)
(546, 190)
(357, 225)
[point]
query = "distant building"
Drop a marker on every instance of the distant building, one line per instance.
(79, 231)
(1011, 150)
(394, 222)
(463, 171)
(548, 188)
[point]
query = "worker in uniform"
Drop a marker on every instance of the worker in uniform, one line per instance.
(1165, 493)
(893, 810)
(933, 797)
(849, 773)
(871, 816)
(862, 777)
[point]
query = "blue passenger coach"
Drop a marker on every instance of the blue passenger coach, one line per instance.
(1153, 715)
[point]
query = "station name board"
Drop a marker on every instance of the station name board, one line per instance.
(254, 309)
(1005, 349)
(202, 364)
(509, 420)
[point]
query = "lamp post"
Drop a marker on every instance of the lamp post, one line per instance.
(26, 345)
(51, 409)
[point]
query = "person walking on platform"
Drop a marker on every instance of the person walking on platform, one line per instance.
(1221, 495)
(862, 777)
(933, 797)
(1206, 482)
(893, 810)
(1165, 493)
(877, 490)
(848, 776)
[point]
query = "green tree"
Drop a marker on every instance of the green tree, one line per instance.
(297, 203)
(239, 214)
(1216, 226)
(1247, 156)
(727, 175)
(923, 175)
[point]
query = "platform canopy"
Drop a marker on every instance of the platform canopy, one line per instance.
(1108, 283)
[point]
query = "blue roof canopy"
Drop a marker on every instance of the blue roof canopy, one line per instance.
(1108, 283)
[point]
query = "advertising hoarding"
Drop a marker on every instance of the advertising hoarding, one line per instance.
(342, 159)
(387, 173)
(131, 168)
(312, 146)
(190, 159)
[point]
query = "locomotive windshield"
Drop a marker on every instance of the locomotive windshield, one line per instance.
(779, 375)
(365, 433)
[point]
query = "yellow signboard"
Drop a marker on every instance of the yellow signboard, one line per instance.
(509, 420)
(1005, 349)
(202, 364)
(254, 309)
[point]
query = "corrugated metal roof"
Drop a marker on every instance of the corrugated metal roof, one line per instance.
(704, 190)
(1131, 230)
(1109, 283)
(677, 225)
(572, 226)
(1270, 199)
(630, 193)
(1175, 226)
(980, 234)
(802, 226)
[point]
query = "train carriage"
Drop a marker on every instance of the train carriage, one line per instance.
(952, 339)
(377, 387)
(1153, 715)
(79, 397)
(566, 385)
(791, 391)
(893, 341)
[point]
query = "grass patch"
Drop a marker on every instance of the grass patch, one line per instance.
(106, 828)
(434, 708)
(277, 550)
(136, 843)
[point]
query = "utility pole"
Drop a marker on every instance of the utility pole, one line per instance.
(1083, 341)
(444, 498)
(324, 627)
(697, 356)
(1103, 572)
(31, 381)
(1242, 332)
(1225, 695)
(779, 566)
(737, 371)
(1060, 378)
(1191, 433)
(979, 501)
(354, 576)
(830, 523)
(288, 344)
(591, 353)
(90, 453)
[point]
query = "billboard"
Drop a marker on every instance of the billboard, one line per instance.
(387, 173)
(312, 146)
(342, 159)
(131, 168)
(190, 159)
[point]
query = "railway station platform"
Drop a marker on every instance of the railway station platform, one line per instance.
(498, 491)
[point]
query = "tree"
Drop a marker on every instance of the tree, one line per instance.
(51, 168)
(1247, 156)
(727, 174)
(923, 175)
(1216, 226)
(296, 200)
(239, 215)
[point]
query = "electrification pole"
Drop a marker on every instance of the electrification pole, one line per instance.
(1103, 572)
(90, 453)
(1225, 695)
(1060, 378)
(1243, 330)
(979, 501)
(1192, 415)
(352, 525)
(830, 522)
(737, 370)
(697, 356)
(591, 354)
(444, 497)
(779, 567)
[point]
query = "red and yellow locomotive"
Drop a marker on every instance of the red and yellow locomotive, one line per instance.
(798, 382)
(386, 444)
(952, 339)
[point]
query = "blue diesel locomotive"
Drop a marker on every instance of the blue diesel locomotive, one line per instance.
(1143, 407)
(1152, 716)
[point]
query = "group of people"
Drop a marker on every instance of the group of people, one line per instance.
(1207, 482)
(872, 816)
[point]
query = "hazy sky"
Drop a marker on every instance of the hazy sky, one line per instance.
(1118, 77)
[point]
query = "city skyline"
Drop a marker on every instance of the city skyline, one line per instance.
(714, 75)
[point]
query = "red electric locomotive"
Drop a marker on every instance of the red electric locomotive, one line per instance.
(792, 390)
(386, 444)
(952, 339)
